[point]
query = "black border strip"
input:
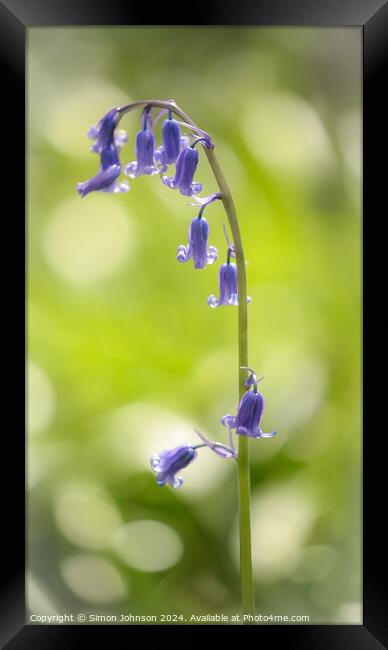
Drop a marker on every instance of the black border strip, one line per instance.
(342, 13)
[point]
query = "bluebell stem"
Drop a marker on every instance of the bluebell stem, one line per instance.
(170, 461)
(249, 413)
(145, 148)
(107, 144)
(231, 248)
(200, 133)
(218, 447)
(186, 166)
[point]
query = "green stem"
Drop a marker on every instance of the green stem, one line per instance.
(243, 449)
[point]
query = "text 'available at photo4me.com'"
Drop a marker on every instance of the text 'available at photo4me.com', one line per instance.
(213, 618)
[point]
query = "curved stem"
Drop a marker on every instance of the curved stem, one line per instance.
(243, 449)
(157, 103)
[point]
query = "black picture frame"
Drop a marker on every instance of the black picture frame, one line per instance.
(16, 17)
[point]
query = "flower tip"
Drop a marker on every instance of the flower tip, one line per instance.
(212, 255)
(212, 301)
(267, 435)
(228, 421)
(92, 133)
(81, 189)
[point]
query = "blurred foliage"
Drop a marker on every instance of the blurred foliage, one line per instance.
(125, 356)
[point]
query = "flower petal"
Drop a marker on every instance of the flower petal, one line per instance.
(213, 301)
(183, 253)
(229, 421)
(266, 435)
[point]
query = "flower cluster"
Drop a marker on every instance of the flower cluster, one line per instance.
(180, 150)
(175, 149)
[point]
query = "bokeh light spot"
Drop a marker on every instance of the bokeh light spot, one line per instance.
(71, 112)
(88, 239)
(39, 599)
(282, 517)
(148, 545)
(93, 578)
(315, 563)
(301, 382)
(85, 516)
(45, 459)
(349, 613)
(286, 133)
(349, 133)
(41, 399)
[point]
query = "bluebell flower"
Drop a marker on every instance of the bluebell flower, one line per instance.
(106, 179)
(248, 417)
(173, 143)
(227, 282)
(186, 166)
(105, 134)
(170, 461)
(145, 149)
(197, 248)
(107, 145)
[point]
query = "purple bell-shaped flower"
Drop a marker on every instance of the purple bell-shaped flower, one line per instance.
(170, 461)
(249, 414)
(197, 247)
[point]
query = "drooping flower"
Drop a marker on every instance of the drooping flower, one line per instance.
(248, 417)
(227, 282)
(106, 179)
(105, 134)
(197, 247)
(173, 143)
(170, 461)
(186, 166)
(107, 144)
(145, 149)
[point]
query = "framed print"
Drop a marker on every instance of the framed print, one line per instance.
(200, 201)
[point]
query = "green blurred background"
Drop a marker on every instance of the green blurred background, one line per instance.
(125, 357)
